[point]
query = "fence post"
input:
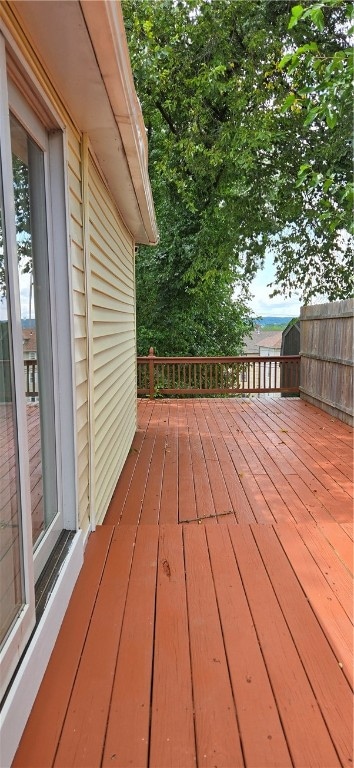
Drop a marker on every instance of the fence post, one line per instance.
(151, 357)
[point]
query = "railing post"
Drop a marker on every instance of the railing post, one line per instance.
(151, 357)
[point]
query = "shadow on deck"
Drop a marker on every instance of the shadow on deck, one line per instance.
(211, 622)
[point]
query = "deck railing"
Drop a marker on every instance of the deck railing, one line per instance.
(217, 375)
(204, 375)
(31, 378)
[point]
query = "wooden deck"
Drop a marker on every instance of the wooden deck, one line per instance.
(8, 501)
(10, 561)
(219, 642)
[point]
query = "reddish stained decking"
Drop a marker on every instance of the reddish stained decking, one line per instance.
(9, 504)
(225, 643)
(8, 500)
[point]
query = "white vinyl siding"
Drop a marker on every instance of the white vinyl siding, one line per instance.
(113, 340)
(80, 326)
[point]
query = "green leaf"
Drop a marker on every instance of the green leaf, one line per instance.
(311, 116)
(313, 47)
(350, 11)
(317, 17)
(296, 13)
(285, 60)
(289, 101)
(331, 118)
(328, 183)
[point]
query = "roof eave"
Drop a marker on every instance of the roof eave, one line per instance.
(82, 45)
(105, 24)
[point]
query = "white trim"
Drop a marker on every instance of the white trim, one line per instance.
(28, 119)
(21, 60)
(23, 692)
(85, 159)
(105, 24)
(135, 336)
(86, 535)
(71, 341)
(60, 271)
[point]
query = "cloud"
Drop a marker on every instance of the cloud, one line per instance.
(261, 304)
(24, 294)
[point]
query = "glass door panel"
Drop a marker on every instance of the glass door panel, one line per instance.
(12, 596)
(32, 252)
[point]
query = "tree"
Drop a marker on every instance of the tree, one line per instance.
(321, 90)
(225, 155)
(23, 223)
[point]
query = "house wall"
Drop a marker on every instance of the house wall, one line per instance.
(101, 263)
(111, 262)
(268, 351)
(104, 333)
(326, 333)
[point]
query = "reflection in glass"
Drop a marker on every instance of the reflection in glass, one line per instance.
(11, 572)
(32, 252)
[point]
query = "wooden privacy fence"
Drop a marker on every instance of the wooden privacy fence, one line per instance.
(217, 375)
(327, 365)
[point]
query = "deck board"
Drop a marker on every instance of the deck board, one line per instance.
(335, 573)
(217, 733)
(121, 490)
(82, 737)
(340, 541)
(204, 498)
(152, 496)
(328, 609)
(127, 736)
(169, 490)
(172, 735)
(266, 744)
(326, 677)
(307, 736)
(219, 641)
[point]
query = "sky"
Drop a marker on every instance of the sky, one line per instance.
(261, 304)
(24, 299)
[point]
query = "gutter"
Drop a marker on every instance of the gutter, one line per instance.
(105, 24)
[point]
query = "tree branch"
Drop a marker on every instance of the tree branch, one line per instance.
(166, 117)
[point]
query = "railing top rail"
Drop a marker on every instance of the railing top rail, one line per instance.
(217, 359)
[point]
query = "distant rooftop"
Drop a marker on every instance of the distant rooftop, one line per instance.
(273, 340)
(29, 339)
(261, 338)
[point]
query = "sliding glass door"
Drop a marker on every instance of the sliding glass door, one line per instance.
(31, 511)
